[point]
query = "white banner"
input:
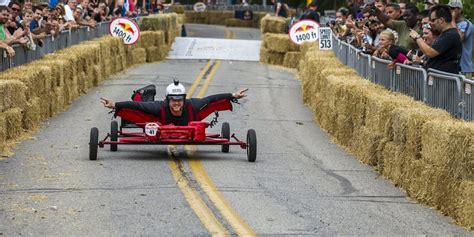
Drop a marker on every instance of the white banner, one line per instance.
(209, 48)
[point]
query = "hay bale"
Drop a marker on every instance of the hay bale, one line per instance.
(3, 134)
(465, 204)
(152, 54)
(271, 57)
(97, 75)
(179, 9)
(12, 94)
(449, 143)
(292, 59)
(139, 56)
(13, 118)
(278, 43)
(273, 24)
(32, 117)
(182, 19)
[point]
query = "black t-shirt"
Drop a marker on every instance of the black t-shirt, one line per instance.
(311, 15)
(449, 47)
(395, 50)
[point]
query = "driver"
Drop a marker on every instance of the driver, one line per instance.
(175, 109)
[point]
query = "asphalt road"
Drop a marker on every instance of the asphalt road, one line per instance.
(301, 183)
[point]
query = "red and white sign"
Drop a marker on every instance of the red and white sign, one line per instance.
(151, 129)
(304, 31)
(199, 7)
(126, 29)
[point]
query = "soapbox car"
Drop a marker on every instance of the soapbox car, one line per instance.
(154, 133)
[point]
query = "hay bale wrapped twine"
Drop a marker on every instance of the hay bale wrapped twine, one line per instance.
(277, 43)
(274, 58)
(273, 24)
(292, 59)
(421, 149)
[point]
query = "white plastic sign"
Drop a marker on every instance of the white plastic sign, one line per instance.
(325, 38)
(304, 31)
(151, 129)
(199, 7)
(125, 29)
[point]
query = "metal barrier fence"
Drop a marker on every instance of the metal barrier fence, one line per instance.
(51, 44)
(438, 89)
(410, 81)
(444, 91)
(468, 99)
(380, 73)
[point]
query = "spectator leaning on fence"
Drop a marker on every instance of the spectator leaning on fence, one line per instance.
(466, 32)
(401, 27)
(445, 53)
(69, 10)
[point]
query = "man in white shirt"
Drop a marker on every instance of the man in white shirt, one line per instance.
(69, 9)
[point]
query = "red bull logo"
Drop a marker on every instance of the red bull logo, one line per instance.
(304, 28)
(125, 29)
(304, 31)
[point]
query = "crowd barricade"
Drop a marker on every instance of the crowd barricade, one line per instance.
(51, 44)
(444, 91)
(409, 80)
(452, 92)
(363, 65)
(380, 73)
(468, 99)
(343, 52)
(352, 56)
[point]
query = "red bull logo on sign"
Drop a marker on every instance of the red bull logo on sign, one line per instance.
(304, 31)
(125, 29)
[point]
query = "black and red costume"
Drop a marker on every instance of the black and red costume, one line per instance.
(194, 109)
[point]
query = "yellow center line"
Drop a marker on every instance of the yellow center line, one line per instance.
(232, 217)
(199, 78)
(197, 204)
(202, 211)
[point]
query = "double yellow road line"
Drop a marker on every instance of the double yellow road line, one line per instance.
(203, 212)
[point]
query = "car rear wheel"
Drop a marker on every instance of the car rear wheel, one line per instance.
(225, 134)
(113, 135)
(93, 143)
(251, 145)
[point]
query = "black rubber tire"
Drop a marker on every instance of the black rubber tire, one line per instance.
(113, 135)
(93, 143)
(225, 133)
(251, 145)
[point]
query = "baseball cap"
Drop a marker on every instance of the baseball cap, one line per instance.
(429, 2)
(313, 3)
(455, 3)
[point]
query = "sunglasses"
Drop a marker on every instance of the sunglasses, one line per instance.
(16, 9)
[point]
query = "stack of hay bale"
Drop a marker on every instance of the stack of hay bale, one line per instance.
(226, 18)
(422, 150)
(277, 48)
(31, 93)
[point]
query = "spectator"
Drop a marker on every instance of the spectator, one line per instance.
(5, 39)
(37, 18)
(69, 9)
(281, 9)
(389, 50)
(402, 7)
(82, 22)
(429, 4)
(465, 30)
(429, 36)
(445, 53)
(392, 10)
(311, 13)
(402, 27)
(380, 4)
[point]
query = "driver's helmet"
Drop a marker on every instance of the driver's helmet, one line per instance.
(175, 91)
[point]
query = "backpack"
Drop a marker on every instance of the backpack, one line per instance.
(146, 93)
